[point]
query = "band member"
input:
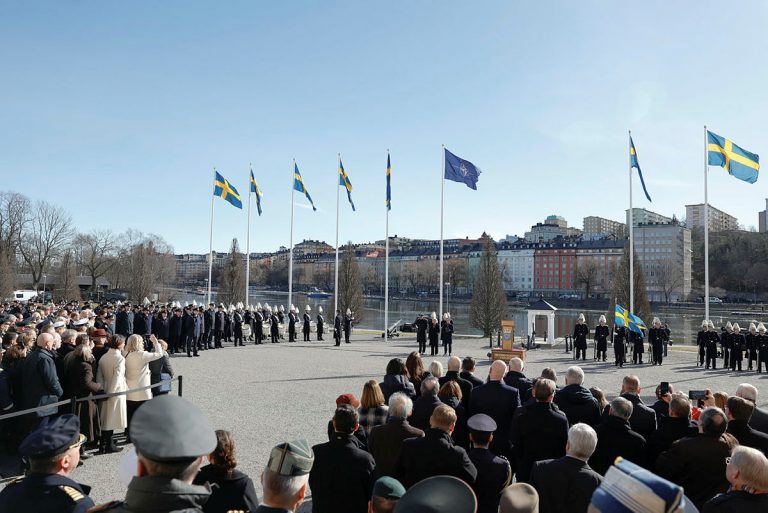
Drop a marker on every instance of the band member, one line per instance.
(762, 348)
(208, 330)
(307, 321)
(725, 343)
(320, 323)
(258, 325)
(619, 336)
(237, 323)
(738, 344)
(274, 326)
(292, 324)
(712, 340)
(580, 333)
(601, 339)
(637, 347)
(422, 325)
(702, 338)
(751, 338)
(248, 321)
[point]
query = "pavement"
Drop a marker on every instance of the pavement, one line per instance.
(271, 393)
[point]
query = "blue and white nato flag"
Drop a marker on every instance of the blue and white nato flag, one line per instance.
(460, 170)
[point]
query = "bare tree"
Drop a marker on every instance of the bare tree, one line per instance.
(620, 293)
(586, 275)
(14, 214)
(232, 284)
(96, 253)
(350, 284)
(67, 282)
(44, 238)
(669, 277)
(489, 301)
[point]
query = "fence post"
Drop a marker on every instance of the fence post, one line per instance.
(181, 386)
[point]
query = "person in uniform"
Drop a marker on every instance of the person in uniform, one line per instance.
(53, 452)
(218, 326)
(258, 325)
(274, 326)
(601, 339)
(493, 472)
(286, 476)
(712, 341)
(446, 334)
(292, 324)
(349, 320)
(320, 323)
(725, 344)
(208, 317)
(281, 314)
(422, 325)
(307, 320)
(171, 437)
(619, 336)
(656, 338)
(751, 345)
(762, 348)
(580, 334)
(434, 334)
(702, 337)
(738, 344)
(248, 321)
(237, 323)
(338, 321)
(637, 347)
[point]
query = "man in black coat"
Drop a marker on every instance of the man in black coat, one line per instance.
(188, 332)
(342, 474)
(121, 322)
(422, 324)
(539, 430)
(39, 380)
(759, 419)
(208, 319)
(161, 326)
(452, 374)
(516, 379)
(499, 401)
(565, 485)
(673, 427)
(615, 438)
(425, 404)
(576, 401)
(643, 420)
(493, 472)
(739, 411)
(385, 440)
(338, 323)
(435, 453)
(219, 320)
(468, 372)
(174, 331)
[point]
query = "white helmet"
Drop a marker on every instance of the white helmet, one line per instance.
(736, 327)
(349, 312)
(445, 316)
(258, 306)
(704, 324)
(728, 326)
(307, 308)
(319, 309)
(656, 321)
(602, 320)
(434, 316)
(752, 327)
(281, 309)
(581, 318)
(761, 328)
(710, 324)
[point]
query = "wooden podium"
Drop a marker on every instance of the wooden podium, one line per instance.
(507, 350)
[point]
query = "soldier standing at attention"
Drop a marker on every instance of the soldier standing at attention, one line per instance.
(348, 322)
(712, 341)
(738, 344)
(751, 345)
(210, 313)
(601, 339)
(307, 320)
(434, 334)
(725, 343)
(580, 334)
(620, 334)
(493, 472)
(258, 326)
(422, 325)
(338, 321)
(656, 338)
(292, 324)
(446, 334)
(219, 326)
(320, 323)
(274, 327)
(637, 347)
(702, 338)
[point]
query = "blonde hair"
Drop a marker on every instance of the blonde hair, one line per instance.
(163, 344)
(135, 343)
(443, 417)
(372, 396)
(720, 399)
(436, 369)
(753, 467)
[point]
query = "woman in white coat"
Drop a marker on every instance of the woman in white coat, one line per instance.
(137, 373)
(111, 375)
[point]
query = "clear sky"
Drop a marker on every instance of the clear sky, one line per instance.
(120, 110)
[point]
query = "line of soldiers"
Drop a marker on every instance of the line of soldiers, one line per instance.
(658, 338)
(734, 346)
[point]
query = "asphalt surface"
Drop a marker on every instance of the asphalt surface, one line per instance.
(271, 393)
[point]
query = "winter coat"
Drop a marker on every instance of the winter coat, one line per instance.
(578, 404)
(137, 373)
(396, 383)
(111, 375)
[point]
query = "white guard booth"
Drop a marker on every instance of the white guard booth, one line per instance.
(541, 307)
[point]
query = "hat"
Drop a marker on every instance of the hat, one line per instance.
(99, 333)
(438, 494)
(481, 423)
(169, 428)
(626, 485)
(319, 309)
(760, 327)
(80, 322)
(307, 308)
(43, 325)
(52, 437)
(349, 399)
(388, 488)
(520, 498)
(291, 458)
(601, 319)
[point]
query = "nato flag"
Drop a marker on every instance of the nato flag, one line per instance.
(460, 170)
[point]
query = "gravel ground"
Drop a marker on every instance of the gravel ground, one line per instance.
(276, 392)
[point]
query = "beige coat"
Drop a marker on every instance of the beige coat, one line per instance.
(137, 373)
(111, 376)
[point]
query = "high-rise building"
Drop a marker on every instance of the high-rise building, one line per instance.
(719, 221)
(552, 228)
(601, 228)
(643, 216)
(664, 252)
(762, 218)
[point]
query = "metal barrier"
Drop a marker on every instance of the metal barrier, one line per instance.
(73, 401)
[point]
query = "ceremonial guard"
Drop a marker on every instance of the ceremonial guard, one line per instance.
(349, 320)
(434, 334)
(667, 340)
(338, 322)
(208, 318)
(580, 333)
(494, 473)
(258, 325)
(228, 323)
(738, 344)
(702, 338)
(307, 320)
(762, 348)
(174, 331)
(751, 345)
(656, 338)
(218, 325)
(712, 340)
(422, 325)
(237, 323)
(274, 326)
(281, 314)
(197, 313)
(725, 344)
(637, 347)
(601, 339)
(248, 321)
(188, 331)
(320, 323)
(446, 334)
(619, 336)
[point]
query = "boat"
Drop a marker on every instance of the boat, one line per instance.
(318, 294)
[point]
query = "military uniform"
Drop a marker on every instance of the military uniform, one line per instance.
(258, 327)
(751, 348)
(601, 342)
(618, 345)
(349, 320)
(291, 327)
(701, 341)
(494, 473)
(738, 344)
(274, 330)
(422, 325)
(337, 325)
(711, 353)
(580, 333)
(656, 338)
(762, 351)
(237, 321)
(637, 347)
(306, 328)
(320, 326)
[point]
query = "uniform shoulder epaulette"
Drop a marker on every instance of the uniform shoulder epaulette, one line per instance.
(105, 507)
(72, 493)
(237, 511)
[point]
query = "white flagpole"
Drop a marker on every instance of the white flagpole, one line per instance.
(210, 240)
(290, 254)
(631, 235)
(336, 266)
(442, 189)
(706, 230)
(386, 263)
(248, 245)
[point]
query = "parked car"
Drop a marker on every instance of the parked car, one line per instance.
(715, 299)
(410, 327)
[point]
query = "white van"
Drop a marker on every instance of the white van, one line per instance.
(23, 295)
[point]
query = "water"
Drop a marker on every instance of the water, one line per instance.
(683, 326)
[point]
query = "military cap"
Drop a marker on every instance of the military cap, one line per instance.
(59, 324)
(52, 437)
(481, 423)
(291, 458)
(388, 488)
(43, 324)
(438, 494)
(169, 428)
(80, 322)
(519, 498)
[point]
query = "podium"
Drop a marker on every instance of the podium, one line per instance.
(507, 350)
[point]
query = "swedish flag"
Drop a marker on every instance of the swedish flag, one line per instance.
(389, 191)
(344, 181)
(255, 189)
(298, 184)
(226, 191)
(635, 164)
(625, 318)
(737, 161)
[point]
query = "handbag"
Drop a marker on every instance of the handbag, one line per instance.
(165, 387)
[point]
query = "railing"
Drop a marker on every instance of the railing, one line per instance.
(73, 401)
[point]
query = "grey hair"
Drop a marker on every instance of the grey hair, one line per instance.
(430, 386)
(575, 375)
(621, 408)
(516, 364)
(400, 405)
(582, 440)
(436, 368)
(280, 489)
(68, 334)
(747, 391)
(752, 465)
(713, 421)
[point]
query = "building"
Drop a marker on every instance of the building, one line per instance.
(763, 218)
(554, 268)
(516, 259)
(719, 221)
(643, 216)
(601, 228)
(596, 265)
(553, 227)
(664, 252)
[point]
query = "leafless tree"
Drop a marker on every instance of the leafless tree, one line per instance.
(669, 277)
(620, 292)
(350, 284)
(586, 275)
(232, 284)
(14, 214)
(44, 238)
(96, 253)
(67, 282)
(489, 301)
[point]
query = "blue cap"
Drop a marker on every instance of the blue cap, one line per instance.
(388, 488)
(52, 437)
(481, 423)
(626, 485)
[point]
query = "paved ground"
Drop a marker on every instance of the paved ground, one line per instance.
(275, 392)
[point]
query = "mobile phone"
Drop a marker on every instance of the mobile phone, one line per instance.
(695, 395)
(664, 388)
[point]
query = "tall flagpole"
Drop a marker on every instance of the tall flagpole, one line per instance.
(386, 261)
(706, 230)
(210, 240)
(248, 246)
(442, 190)
(290, 254)
(336, 266)
(631, 235)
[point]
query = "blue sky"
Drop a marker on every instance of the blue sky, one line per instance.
(120, 111)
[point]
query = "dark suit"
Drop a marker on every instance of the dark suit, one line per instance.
(422, 411)
(476, 382)
(539, 432)
(464, 385)
(521, 383)
(748, 436)
(498, 401)
(578, 404)
(174, 333)
(208, 316)
(432, 455)
(671, 429)
(161, 328)
(188, 333)
(384, 443)
(737, 502)
(493, 475)
(565, 485)
(643, 419)
(759, 419)
(40, 382)
(121, 324)
(616, 438)
(341, 478)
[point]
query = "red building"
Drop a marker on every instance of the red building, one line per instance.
(554, 267)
